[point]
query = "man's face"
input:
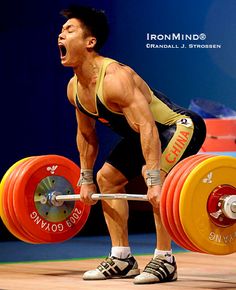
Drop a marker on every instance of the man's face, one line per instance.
(72, 42)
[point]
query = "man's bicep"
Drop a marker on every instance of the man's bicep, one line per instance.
(137, 112)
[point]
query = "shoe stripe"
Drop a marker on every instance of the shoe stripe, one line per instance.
(155, 273)
(118, 270)
(159, 271)
(105, 274)
(112, 272)
(165, 273)
(158, 268)
(109, 268)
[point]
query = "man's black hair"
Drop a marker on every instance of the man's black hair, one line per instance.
(95, 22)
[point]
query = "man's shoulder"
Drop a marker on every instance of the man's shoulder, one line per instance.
(72, 80)
(71, 89)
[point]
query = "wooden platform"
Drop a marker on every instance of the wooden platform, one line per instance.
(195, 271)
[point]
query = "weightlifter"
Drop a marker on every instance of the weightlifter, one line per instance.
(156, 134)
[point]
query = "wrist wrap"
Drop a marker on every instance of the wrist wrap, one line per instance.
(86, 177)
(153, 177)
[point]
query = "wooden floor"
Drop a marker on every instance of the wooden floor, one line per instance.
(195, 271)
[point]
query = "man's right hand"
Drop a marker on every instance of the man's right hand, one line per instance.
(86, 190)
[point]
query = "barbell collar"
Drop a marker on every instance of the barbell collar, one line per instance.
(233, 207)
(229, 206)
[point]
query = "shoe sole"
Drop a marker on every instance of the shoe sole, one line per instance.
(155, 282)
(130, 274)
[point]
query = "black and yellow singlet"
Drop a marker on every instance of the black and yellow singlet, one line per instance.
(181, 131)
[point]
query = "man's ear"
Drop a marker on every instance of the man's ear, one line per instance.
(91, 42)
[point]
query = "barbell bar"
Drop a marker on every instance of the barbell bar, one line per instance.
(57, 199)
(227, 203)
(198, 201)
(101, 196)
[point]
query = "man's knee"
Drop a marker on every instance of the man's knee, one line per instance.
(108, 177)
(102, 177)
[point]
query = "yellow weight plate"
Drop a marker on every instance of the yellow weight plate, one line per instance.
(4, 178)
(4, 213)
(196, 222)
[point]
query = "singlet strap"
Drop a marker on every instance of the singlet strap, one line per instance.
(74, 88)
(99, 84)
(99, 87)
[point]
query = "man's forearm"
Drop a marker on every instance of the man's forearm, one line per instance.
(151, 147)
(88, 149)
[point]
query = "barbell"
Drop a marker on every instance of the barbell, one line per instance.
(40, 201)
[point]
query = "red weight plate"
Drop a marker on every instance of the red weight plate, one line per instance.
(19, 227)
(167, 185)
(179, 185)
(169, 211)
(174, 194)
(164, 193)
(45, 221)
(5, 213)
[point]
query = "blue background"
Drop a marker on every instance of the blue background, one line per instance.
(36, 117)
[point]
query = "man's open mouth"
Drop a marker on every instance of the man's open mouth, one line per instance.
(62, 49)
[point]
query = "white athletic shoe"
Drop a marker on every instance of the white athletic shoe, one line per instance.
(113, 267)
(158, 270)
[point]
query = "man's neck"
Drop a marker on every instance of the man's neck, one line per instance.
(87, 71)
